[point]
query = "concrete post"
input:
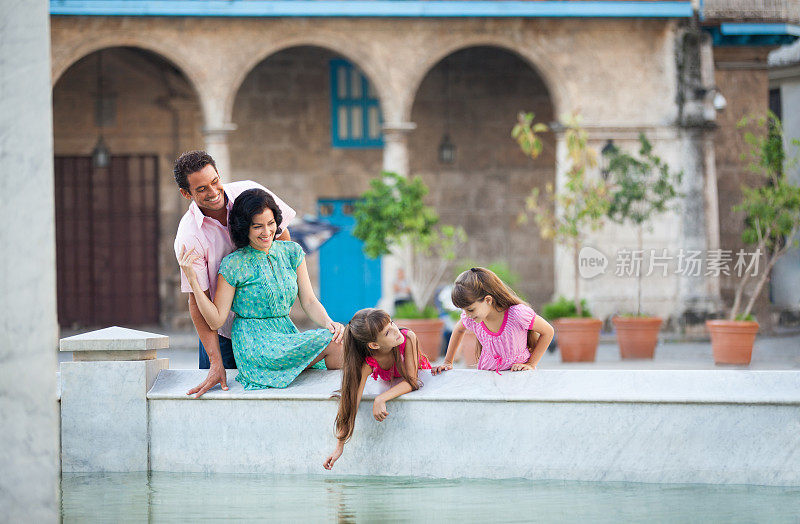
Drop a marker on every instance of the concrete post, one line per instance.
(104, 423)
(395, 159)
(28, 330)
(217, 146)
(395, 149)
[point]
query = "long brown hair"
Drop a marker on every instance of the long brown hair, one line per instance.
(474, 284)
(365, 327)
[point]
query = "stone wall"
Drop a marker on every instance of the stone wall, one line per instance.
(268, 78)
(156, 112)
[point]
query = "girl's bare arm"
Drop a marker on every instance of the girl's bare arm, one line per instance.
(452, 346)
(539, 339)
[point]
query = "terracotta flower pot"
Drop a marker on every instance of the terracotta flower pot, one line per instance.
(732, 340)
(637, 336)
(429, 334)
(578, 338)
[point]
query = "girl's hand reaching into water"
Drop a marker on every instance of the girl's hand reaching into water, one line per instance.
(379, 410)
(186, 260)
(522, 367)
(328, 464)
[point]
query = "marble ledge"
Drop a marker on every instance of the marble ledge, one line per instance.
(461, 385)
(115, 338)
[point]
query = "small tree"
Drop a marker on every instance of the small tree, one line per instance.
(579, 207)
(392, 214)
(772, 210)
(640, 188)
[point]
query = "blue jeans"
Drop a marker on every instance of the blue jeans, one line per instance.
(225, 349)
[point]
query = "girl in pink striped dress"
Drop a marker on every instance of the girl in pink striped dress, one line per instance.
(374, 347)
(511, 335)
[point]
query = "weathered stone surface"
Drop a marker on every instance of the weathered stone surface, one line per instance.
(28, 329)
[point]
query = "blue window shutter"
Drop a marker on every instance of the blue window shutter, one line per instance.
(351, 103)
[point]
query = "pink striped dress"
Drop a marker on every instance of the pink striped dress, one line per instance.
(509, 345)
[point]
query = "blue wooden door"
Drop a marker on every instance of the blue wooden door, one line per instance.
(348, 280)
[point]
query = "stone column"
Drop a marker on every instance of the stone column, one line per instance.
(562, 253)
(695, 291)
(395, 149)
(104, 425)
(28, 331)
(217, 146)
(395, 159)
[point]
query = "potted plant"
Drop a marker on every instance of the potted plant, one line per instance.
(640, 188)
(392, 217)
(772, 221)
(566, 217)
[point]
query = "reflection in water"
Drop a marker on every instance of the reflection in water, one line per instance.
(177, 497)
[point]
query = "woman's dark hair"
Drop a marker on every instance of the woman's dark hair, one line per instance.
(245, 207)
(188, 163)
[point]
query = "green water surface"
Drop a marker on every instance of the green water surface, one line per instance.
(175, 497)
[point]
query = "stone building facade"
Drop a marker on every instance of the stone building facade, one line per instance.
(256, 93)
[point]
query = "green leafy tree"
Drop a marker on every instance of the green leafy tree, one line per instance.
(391, 216)
(639, 189)
(772, 209)
(568, 215)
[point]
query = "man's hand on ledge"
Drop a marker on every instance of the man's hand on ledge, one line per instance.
(216, 375)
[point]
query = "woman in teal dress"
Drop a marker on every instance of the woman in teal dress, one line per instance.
(260, 282)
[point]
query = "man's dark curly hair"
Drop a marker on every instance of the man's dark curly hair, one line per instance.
(245, 207)
(188, 163)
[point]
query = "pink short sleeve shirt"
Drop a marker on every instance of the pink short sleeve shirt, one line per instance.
(509, 345)
(213, 242)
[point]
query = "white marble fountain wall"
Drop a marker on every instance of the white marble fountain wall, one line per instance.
(619, 425)
(122, 410)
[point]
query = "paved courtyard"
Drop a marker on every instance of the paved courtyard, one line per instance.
(774, 352)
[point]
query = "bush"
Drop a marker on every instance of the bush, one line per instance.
(410, 311)
(564, 308)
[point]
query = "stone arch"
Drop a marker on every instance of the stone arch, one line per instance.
(331, 42)
(62, 63)
(534, 57)
(469, 95)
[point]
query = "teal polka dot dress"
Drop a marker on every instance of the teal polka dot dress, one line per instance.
(270, 352)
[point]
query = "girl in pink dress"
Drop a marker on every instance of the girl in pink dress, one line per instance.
(511, 335)
(374, 347)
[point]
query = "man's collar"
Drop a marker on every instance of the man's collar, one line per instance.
(198, 215)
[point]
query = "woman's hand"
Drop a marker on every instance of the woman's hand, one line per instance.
(522, 367)
(328, 464)
(186, 261)
(444, 367)
(379, 409)
(337, 329)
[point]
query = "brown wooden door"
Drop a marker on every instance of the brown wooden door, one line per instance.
(107, 241)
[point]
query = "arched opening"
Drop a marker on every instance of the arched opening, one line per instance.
(115, 220)
(309, 128)
(472, 97)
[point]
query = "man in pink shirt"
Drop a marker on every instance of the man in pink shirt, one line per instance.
(204, 227)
